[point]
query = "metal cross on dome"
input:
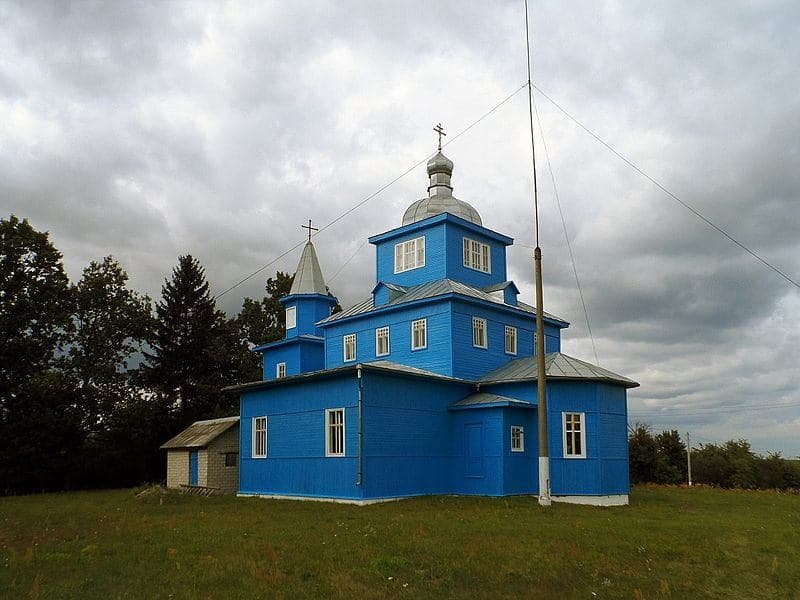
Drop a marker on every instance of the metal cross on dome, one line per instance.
(310, 229)
(440, 130)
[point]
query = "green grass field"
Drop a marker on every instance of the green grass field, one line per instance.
(670, 543)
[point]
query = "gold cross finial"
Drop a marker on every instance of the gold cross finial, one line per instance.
(310, 229)
(440, 130)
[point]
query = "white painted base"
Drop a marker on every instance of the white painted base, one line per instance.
(321, 499)
(617, 500)
(544, 481)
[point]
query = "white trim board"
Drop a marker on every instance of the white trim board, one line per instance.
(616, 500)
(321, 499)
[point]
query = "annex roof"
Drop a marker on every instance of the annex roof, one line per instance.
(308, 278)
(201, 433)
(440, 287)
(557, 366)
(485, 400)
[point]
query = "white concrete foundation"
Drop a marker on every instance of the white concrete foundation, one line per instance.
(617, 500)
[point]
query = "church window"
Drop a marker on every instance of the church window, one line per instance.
(517, 439)
(259, 437)
(477, 255)
(334, 432)
(409, 255)
(280, 370)
(574, 435)
(291, 317)
(349, 347)
(381, 341)
(511, 340)
(479, 333)
(419, 334)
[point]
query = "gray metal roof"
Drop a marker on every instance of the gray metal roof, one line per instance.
(397, 367)
(440, 196)
(201, 433)
(483, 398)
(440, 287)
(557, 366)
(308, 277)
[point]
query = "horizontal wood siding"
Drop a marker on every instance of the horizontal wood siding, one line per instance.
(290, 354)
(436, 357)
(487, 479)
(613, 439)
(312, 357)
(521, 469)
(574, 476)
(456, 270)
(310, 310)
(407, 435)
(434, 257)
(296, 463)
(470, 362)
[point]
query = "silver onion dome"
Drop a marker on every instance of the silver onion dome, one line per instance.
(440, 196)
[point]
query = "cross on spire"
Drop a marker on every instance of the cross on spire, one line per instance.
(440, 130)
(310, 229)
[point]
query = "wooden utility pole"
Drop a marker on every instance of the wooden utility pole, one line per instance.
(689, 457)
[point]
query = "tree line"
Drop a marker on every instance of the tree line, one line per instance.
(95, 376)
(661, 458)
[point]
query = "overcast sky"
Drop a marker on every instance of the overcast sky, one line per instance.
(146, 131)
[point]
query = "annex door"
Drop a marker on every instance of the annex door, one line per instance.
(193, 467)
(473, 450)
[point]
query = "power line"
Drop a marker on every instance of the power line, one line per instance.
(688, 207)
(375, 193)
(566, 235)
(345, 263)
(711, 411)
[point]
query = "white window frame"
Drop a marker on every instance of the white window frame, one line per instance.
(513, 336)
(516, 429)
(582, 432)
(421, 325)
(291, 317)
(409, 254)
(254, 449)
(280, 370)
(477, 255)
(344, 347)
(378, 334)
(329, 430)
(479, 323)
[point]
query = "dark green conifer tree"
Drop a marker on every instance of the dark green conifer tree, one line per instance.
(187, 361)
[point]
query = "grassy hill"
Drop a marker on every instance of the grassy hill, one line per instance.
(670, 543)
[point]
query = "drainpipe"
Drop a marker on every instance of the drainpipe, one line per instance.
(360, 429)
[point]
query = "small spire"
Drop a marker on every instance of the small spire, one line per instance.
(308, 278)
(440, 130)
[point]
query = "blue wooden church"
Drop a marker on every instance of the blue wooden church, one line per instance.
(427, 386)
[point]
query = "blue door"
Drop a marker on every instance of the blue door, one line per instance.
(473, 451)
(193, 467)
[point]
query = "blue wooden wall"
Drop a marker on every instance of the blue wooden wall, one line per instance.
(444, 252)
(407, 435)
(296, 464)
(454, 254)
(415, 443)
(437, 357)
(470, 362)
(311, 308)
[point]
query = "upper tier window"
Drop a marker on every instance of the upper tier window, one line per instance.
(349, 347)
(477, 255)
(409, 255)
(291, 317)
